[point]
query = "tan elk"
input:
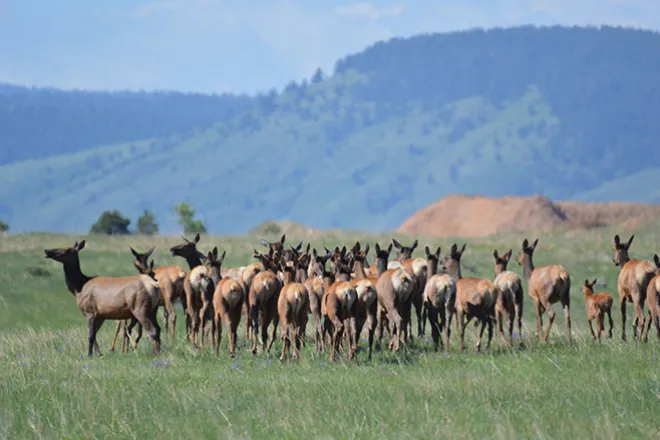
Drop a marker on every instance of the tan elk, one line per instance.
(263, 297)
(276, 247)
(228, 298)
(653, 300)
(100, 298)
(292, 308)
(632, 284)
(188, 251)
(417, 269)
(509, 298)
(546, 285)
(316, 273)
(338, 307)
(475, 298)
(394, 288)
(439, 296)
(366, 311)
(597, 305)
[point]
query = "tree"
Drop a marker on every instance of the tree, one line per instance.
(318, 76)
(186, 213)
(4, 227)
(146, 223)
(111, 223)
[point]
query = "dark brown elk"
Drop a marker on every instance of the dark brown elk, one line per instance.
(394, 287)
(440, 298)
(417, 269)
(597, 305)
(546, 286)
(632, 284)
(653, 300)
(292, 308)
(510, 296)
(100, 298)
(475, 297)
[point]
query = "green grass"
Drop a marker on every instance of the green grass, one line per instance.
(49, 388)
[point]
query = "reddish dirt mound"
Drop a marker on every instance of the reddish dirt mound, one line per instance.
(477, 216)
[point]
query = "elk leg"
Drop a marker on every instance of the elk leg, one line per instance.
(490, 332)
(611, 322)
(481, 333)
(539, 321)
(114, 338)
(500, 326)
(424, 318)
(449, 312)
(510, 319)
(645, 331)
(435, 328)
(551, 319)
(169, 314)
(218, 333)
(591, 329)
(148, 317)
(518, 311)
(371, 326)
(656, 320)
(381, 325)
(622, 305)
(275, 322)
(599, 323)
(460, 320)
(233, 322)
(94, 324)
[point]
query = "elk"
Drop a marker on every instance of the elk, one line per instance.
(315, 287)
(100, 298)
(439, 297)
(394, 287)
(210, 274)
(338, 306)
(417, 269)
(509, 298)
(188, 251)
(276, 247)
(597, 305)
(546, 286)
(292, 308)
(170, 278)
(632, 283)
(228, 299)
(475, 297)
(366, 310)
(263, 297)
(247, 275)
(653, 300)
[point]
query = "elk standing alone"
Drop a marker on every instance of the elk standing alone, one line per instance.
(100, 298)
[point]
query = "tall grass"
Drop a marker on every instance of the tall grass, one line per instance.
(49, 388)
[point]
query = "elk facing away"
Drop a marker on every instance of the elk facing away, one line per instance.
(292, 308)
(475, 297)
(653, 300)
(546, 286)
(263, 296)
(417, 269)
(598, 304)
(439, 297)
(367, 297)
(101, 298)
(509, 298)
(632, 283)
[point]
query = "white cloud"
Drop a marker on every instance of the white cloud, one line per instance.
(368, 10)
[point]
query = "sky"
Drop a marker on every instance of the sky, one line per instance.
(246, 46)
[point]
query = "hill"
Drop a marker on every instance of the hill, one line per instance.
(553, 111)
(478, 216)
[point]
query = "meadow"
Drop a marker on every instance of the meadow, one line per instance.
(50, 389)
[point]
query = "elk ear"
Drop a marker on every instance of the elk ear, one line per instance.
(343, 251)
(282, 239)
(81, 245)
(535, 243)
(593, 283)
(630, 241)
(210, 256)
(414, 245)
(222, 257)
(265, 243)
(454, 249)
(314, 253)
(427, 251)
(438, 251)
(525, 243)
(152, 265)
(389, 248)
(463, 248)
(508, 254)
(215, 252)
(396, 243)
(656, 260)
(495, 254)
(617, 240)
(586, 283)
(135, 254)
(307, 248)
(366, 250)
(377, 247)
(197, 238)
(299, 247)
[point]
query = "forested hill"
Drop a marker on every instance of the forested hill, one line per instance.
(42, 122)
(565, 112)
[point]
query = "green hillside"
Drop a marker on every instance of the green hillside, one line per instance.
(557, 111)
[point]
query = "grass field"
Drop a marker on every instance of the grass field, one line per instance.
(50, 389)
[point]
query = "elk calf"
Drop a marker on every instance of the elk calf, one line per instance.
(597, 304)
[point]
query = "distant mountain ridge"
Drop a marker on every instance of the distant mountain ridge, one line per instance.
(556, 111)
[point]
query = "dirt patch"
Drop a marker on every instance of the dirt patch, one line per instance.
(478, 216)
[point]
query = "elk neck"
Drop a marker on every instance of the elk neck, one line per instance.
(75, 279)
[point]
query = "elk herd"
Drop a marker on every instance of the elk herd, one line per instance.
(345, 295)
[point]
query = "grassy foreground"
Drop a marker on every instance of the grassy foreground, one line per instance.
(48, 388)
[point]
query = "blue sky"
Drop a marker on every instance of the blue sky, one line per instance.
(246, 45)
